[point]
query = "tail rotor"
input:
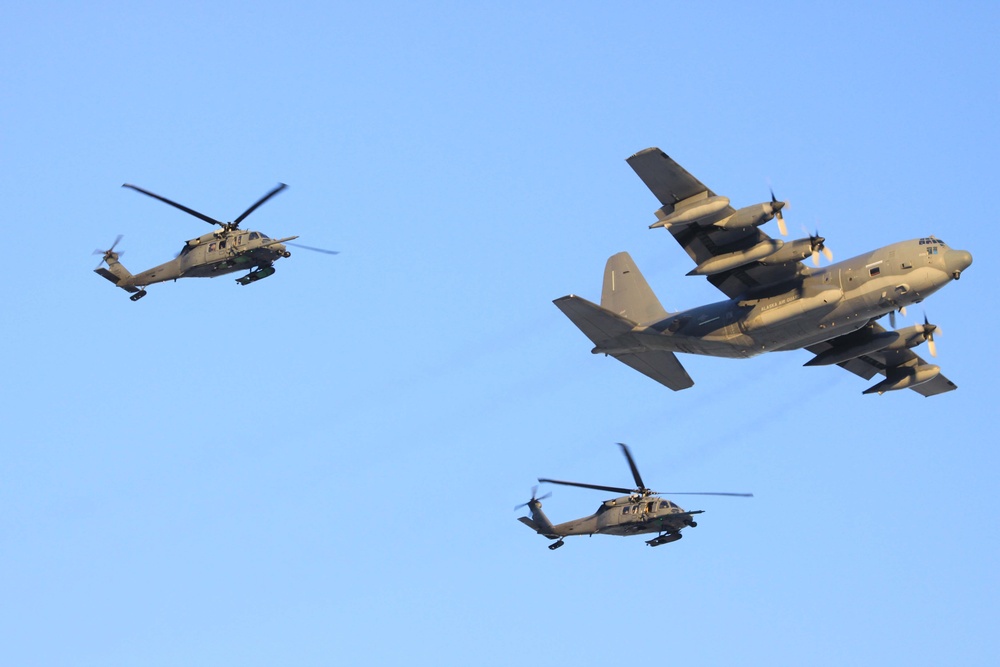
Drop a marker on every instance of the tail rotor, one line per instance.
(534, 499)
(109, 253)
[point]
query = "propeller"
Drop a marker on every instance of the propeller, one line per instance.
(929, 330)
(892, 316)
(308, 247)
(818, 246)
(640, 486)
(534, 490)
(776, 206)
(201, 216)
(109, 253)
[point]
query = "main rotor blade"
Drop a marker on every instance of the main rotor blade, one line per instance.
(631, 464)
(276, 190)
(202, 216)
(701, 493)
(309, 247)
(596, 487)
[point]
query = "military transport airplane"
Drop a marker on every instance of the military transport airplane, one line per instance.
(774, 302)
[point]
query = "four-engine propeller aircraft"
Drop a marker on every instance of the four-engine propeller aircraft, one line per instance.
(774, 302)
(217, 253)
(640, 512)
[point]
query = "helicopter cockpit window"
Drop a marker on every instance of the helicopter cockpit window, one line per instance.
(265, 236)
(211, 247)
(254, 236)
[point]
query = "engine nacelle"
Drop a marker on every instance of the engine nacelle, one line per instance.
(731, 260)
(702, 209)
(911, 336)
(793, 251)
(749, 216)
(904, 378)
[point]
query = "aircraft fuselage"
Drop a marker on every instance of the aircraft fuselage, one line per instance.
(822, 304)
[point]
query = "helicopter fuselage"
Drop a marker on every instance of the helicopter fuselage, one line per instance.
(630, 515)
(215, 254)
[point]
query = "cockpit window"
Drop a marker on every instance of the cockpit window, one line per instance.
(254, 235)
(265, 236)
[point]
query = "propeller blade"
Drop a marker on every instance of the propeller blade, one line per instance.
(778, 205)
(828, 254)
(781, 224)
(276, 190)
(308, 247)
(892, 318)
(815, 258)
(631, 464)
(200, 216)
(931, 346)
(596, 487)
(902, 311)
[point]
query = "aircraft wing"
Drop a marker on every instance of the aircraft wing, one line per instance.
(868, 365)
(673, 185)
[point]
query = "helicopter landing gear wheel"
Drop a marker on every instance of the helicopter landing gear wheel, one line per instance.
(693, 524)
(555, 546)
(138, 295)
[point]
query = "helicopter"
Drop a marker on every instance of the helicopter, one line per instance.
(642, 511)
(226, 250)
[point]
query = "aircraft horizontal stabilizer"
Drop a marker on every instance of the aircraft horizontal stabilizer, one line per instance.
(661, 365)
(599, 324)
(529, 523)
(113, 278)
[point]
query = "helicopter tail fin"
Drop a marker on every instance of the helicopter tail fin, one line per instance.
(627, 294)
(538, 521)
(116, 273)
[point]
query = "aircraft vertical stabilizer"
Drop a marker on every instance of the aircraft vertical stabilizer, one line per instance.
(626, 292)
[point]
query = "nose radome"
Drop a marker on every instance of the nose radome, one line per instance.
(958, 261)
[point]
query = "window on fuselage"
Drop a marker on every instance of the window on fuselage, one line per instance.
(874, 271)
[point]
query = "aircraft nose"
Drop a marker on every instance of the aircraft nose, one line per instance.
(957, 261)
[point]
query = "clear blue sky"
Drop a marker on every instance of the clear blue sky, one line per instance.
(321, 468)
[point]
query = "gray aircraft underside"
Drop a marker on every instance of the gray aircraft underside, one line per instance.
(775, 302)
